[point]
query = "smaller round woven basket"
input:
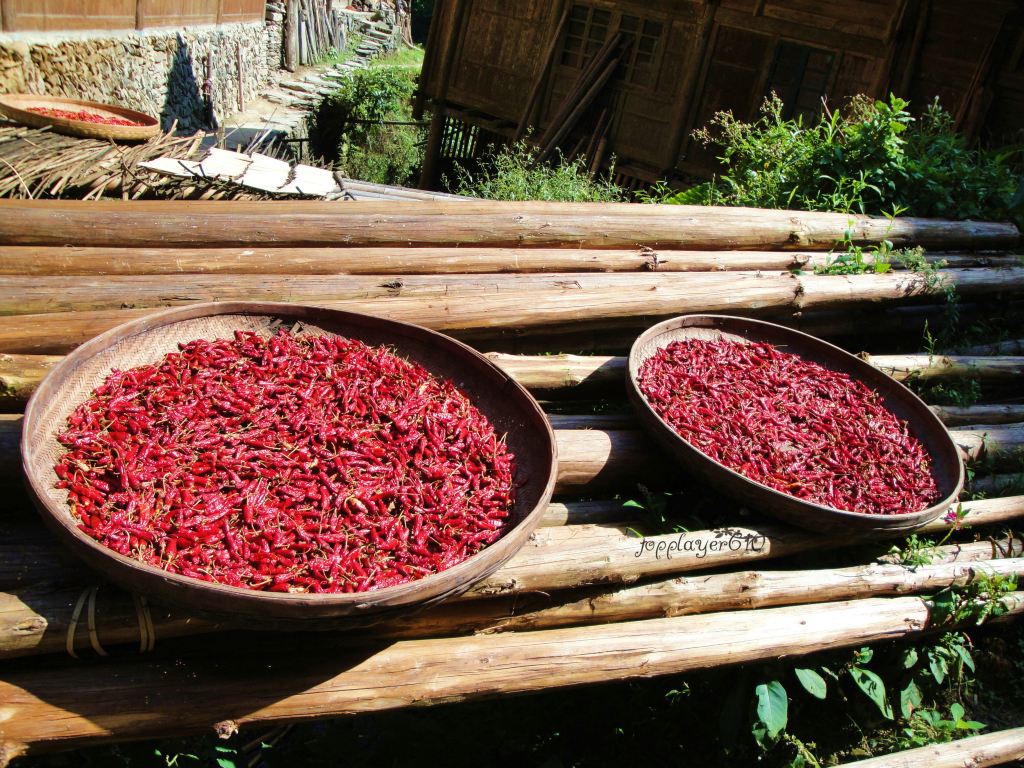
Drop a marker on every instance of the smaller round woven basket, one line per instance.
(947, 465)
(16, 106)
(510, 408)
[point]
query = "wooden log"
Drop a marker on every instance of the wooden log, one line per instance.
(71, 706)
(995, 446)
(999, 748)
(995, 484)
(688, 595)
(818, 291)
(574, 304)
(19, 295)
(988, 413)
(1009, 347)
(924, 367)
(553, 372)
(20, 375)
(597, 225)
(43, 584)
(241, 260)
(469, 306)
(291, 36)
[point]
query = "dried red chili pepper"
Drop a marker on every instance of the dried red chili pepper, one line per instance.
(294, 463)
(790, 424)
(82, 116)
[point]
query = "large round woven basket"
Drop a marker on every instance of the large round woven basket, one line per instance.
(508, 406)
(16, 106)
(947, 465)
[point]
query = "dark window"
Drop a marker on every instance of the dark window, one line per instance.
(643, 36)
(587, 28)
(800, 76)
(586, 31)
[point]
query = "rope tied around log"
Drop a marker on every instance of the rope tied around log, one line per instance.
(87, 601)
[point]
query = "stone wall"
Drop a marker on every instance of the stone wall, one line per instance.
(160, 72)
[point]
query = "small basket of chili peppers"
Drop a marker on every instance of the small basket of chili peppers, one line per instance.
(279, 463)
(793, 426)
(75, 117)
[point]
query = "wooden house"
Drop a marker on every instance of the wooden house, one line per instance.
(633, 78)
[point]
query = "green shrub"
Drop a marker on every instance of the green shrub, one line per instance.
(350, 127)
(513, 173)
(874, 157)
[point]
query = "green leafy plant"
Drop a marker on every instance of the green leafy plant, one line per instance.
(927, 726)
(979, 600)
(366, 128)
(867, 158)
(513, 173)
(653, 512)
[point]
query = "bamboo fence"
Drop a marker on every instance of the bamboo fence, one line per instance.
(588, 599)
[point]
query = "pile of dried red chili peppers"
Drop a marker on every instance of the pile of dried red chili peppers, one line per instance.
(83, 116)
(294, 463)
(790, 424)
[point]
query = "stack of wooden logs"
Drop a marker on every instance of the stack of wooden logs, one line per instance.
(585, 601)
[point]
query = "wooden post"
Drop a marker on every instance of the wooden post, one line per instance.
(427, 180)
(690, 92)
(910, 68)
(238, 73)
(541, 77)
(433, 151)
(291, 35)
(140, 13)
(10, 15)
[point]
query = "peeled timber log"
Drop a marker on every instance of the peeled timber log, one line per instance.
(471, 306)
(687, 595)
(986, 413)
(993, 446)
(66, 706)
(999, 748)
(992, 368)
(649, 293)
(243, 260)
(518, 224)
(43, 586)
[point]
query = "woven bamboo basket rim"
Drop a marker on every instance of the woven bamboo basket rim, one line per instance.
(511, 409)
(925, 425)
(15, 106)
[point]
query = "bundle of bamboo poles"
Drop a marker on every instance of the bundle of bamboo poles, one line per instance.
(585, 600)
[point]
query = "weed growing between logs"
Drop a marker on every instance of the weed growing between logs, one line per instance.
(514, 173)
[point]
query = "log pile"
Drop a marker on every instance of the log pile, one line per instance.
(601, 592)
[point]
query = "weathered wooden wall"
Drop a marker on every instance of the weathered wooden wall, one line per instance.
(69, 15)
(691, 58)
